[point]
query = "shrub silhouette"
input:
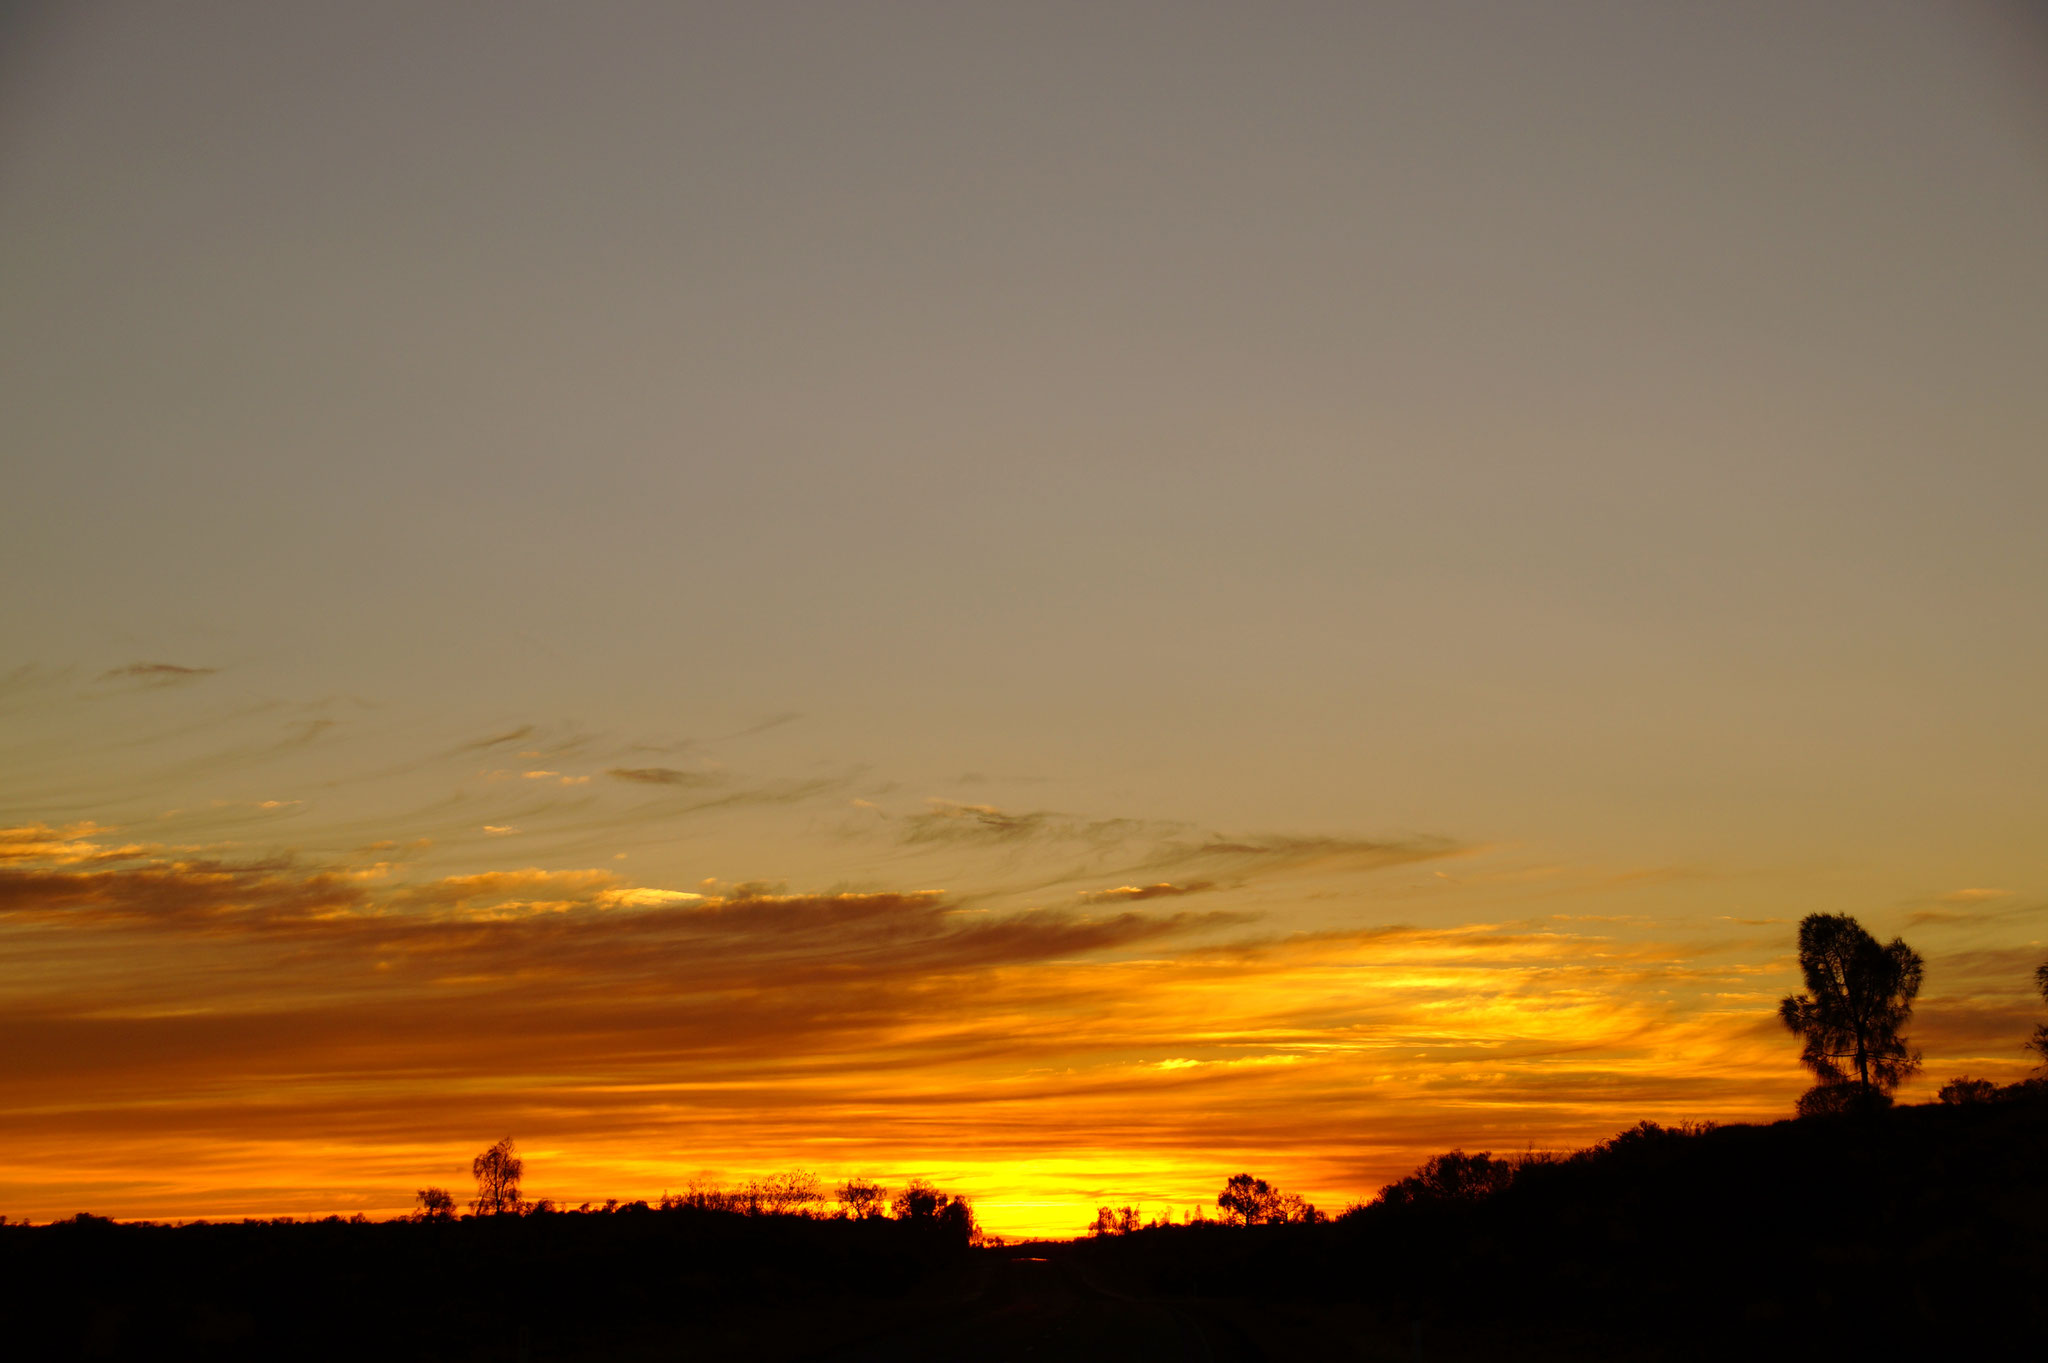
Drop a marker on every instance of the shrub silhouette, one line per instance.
(1839, 1100)
(1451, 1177)
(1860, 997)
(919, 1201)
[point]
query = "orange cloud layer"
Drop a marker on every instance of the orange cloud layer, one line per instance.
(186, 1036)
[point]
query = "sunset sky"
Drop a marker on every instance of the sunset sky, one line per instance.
(1062, 598)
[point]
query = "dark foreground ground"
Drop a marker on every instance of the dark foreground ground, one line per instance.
(1921, 1232)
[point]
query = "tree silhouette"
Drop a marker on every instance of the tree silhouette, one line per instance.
(1248, 1201)
(497, 1172)
(862, 1199)
(435, 1204)
(1860, 997)
(2038, 1043)
(784, 1194)
(919, 1201)
(957, 1216)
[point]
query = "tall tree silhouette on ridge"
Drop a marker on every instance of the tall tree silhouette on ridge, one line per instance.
(1859, 998)
(2038, 1043)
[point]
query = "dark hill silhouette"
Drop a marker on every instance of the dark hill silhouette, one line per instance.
(1854, 1236)
(1882, 1234)
(633, 1283)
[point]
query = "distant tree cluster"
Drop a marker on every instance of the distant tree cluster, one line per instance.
(1248, 1201)
(1967, 1092)
(789, 1193)
(1456, 1178)
(920, 1201)
(1125, 1220)
(1451, 1177)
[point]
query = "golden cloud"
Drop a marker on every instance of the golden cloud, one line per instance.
(1134, 893)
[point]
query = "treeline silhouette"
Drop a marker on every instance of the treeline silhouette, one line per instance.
(1858, 1228)
(1919, 1225)
(738, 1279)
(797, 1193)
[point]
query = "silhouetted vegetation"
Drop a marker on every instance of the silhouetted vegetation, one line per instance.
(762, 1274)
(435, 1204)
(1248, 1201)
(2038, 1043)
(497, 1172)
(861, 1198)
(1916, 1229)
(1912, 1229)
(1452, 1177)
(1852, 1017)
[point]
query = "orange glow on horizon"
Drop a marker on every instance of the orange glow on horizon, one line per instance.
(334, 1036)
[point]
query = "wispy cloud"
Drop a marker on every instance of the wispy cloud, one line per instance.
(1125, 847)
(156, 674)
(948, 821)
(66, 845)
(666, 776)
(497, 740)
(1133, 893)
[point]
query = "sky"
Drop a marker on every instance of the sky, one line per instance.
(1066, 599)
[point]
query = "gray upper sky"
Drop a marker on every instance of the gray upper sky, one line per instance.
(1607, 424)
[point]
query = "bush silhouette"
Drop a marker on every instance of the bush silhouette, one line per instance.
(919, 1201)
(1450, 1177)
(1960, 1092)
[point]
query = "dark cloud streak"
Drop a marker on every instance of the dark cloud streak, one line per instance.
(156, 674)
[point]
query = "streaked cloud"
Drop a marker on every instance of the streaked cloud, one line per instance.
(1134, 893)
(156, 674)
(497, 740)
(64, 845)
(665, 776)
